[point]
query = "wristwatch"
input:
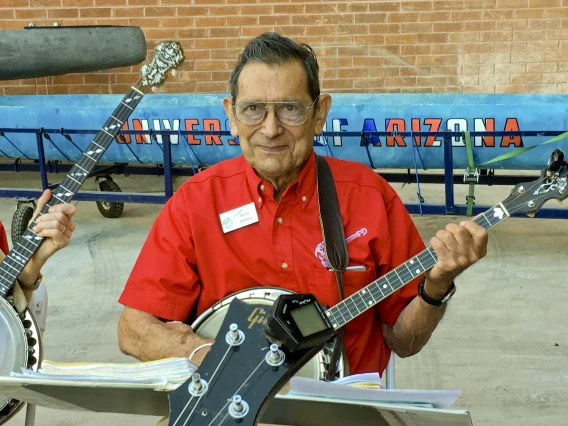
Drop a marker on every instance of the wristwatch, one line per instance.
(33, 286)
(432, 301)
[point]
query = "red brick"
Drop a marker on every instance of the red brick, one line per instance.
(384, 6)
(528, 13)
(406, 6)
(368, 39)
(131, 12)
(223, 10)
(367, 18)
(45, 3)
(449, 5)
(384, 29)
(400, 38)
(212, 86)
(62, 13)
(351, 7)
(224, 32)
(77, 3)
(146, 22)
(14, 3)
(448, 27)
(289, 9)
(275, 20)
(28, 13)
(416, 49)
(414, 71)
(368, 62)
(402, 17)
(192, 11)
(160, 11)
(541, 88)
(545, 3)
(434, 16)
(98, 12)
(512, 4)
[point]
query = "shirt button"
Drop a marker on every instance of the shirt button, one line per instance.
(280, 220)
(262, 187)
(284, 265)
(304, 198)
(259, 199)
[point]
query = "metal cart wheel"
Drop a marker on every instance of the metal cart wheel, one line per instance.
(110, 209)
(20, 221)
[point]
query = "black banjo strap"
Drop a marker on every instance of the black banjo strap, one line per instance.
(333, 242)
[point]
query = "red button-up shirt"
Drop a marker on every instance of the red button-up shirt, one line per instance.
(3, 240)
(187, 260)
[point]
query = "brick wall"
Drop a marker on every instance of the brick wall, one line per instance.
(459, 46)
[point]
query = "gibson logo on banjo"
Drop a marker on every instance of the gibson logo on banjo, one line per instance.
(257, 316)
(244, 370)
(23, 341)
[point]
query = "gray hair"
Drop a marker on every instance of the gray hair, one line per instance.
(274, 49)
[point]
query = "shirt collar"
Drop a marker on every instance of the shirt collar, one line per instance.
(303, 186)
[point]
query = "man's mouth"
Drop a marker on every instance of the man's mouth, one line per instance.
(274, 149)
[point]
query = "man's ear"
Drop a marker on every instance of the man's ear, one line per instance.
(228, 105)
(324, 104)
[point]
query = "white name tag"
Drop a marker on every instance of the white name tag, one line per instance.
(239, 217)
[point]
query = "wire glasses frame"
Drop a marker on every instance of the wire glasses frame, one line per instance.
(289, 113)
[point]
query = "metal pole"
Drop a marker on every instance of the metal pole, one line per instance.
(390, 372)
(169, 187)
(449, 175)
(41, 156)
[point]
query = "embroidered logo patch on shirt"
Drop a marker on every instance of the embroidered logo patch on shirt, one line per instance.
(238, 218)
(320, 250)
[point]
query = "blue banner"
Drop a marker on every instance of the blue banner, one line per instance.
(358, 113)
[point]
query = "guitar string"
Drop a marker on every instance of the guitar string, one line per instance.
(236, 393)
(201, 396)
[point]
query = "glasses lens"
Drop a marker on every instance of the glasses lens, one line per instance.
(250, 112)
(291, 113)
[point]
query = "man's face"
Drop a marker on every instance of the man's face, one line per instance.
(272, 148)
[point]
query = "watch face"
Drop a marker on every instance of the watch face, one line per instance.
(449, 294)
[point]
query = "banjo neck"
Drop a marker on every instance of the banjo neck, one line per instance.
(381, 288)
(167, 56)
(29, 242)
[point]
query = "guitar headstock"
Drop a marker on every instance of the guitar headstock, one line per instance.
(529, 197)
(238, 377)
(167, 56)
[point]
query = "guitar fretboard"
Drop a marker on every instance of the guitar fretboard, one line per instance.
(392, 281)
(27, 245)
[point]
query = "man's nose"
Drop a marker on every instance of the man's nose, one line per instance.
(271, 126)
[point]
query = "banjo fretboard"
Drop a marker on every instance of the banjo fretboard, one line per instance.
(24, 249)
(392, 281)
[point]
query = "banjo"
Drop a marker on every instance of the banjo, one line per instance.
(19, 334)
(247, 364)
(262, 299)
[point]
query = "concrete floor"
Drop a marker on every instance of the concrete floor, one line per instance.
(503, 341)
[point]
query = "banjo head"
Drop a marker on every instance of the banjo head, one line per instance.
(21, 348)
(209, 323)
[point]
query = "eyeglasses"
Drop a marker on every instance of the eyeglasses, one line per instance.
(289, 113)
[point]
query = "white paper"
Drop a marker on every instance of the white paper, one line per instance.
(302, 386)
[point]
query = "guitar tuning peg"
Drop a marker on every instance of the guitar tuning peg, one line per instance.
(158, 89)
(530, 214)
(174, 72)
(559, 202)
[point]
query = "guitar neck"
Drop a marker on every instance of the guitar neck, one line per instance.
(397, 278)
(27, 245)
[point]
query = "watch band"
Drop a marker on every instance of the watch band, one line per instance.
(33, 286)
(432, 301)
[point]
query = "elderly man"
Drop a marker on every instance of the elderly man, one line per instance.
(189, 261)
